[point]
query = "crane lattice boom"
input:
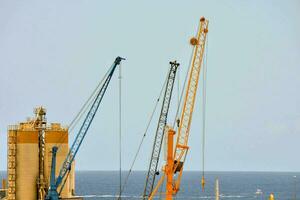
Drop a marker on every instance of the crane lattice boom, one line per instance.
(86, 124)
(160, 130)
(52, 193)
(191, 90)
(176, 157)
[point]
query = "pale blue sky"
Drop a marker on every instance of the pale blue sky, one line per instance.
(54, 53)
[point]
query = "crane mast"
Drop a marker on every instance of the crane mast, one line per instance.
(55, 183)
(40, 124)
(152, 172)
(176, 154)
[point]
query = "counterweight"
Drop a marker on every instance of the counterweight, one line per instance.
(160, 130)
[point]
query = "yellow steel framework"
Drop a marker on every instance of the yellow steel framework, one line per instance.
(176, 157)
(12, 162)
(40, 125)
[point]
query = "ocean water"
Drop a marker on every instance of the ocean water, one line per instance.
(104, 185)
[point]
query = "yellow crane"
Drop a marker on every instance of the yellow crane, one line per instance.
(176, 155)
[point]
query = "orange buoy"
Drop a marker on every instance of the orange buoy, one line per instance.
(271, 197)
(203, 183)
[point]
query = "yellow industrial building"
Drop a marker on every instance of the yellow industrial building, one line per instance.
(23, 159)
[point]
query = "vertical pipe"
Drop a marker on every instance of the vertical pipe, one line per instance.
(52, 193)
(120, 131)
(170, 165)
(40, 125)
(3, 184)
(53, 167)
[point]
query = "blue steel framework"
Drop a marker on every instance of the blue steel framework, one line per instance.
(55, 182)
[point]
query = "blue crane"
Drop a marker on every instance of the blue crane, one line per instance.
(66, 167)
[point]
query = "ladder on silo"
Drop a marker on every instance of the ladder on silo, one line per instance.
(12, 160)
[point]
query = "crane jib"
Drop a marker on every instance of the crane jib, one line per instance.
(86, 124)
(52, 194)
(154, 160)
(177, 151)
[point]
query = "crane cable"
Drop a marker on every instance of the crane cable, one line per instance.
(204, 115)
(178, 87)
(87, 104)
(177, 115)
(143, 137)
(120, 130)
(83, 109)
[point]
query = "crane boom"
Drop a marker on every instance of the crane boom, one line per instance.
(181, 146)
(191, 90)
(176, 157)
(52, 194)
(160, 130)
